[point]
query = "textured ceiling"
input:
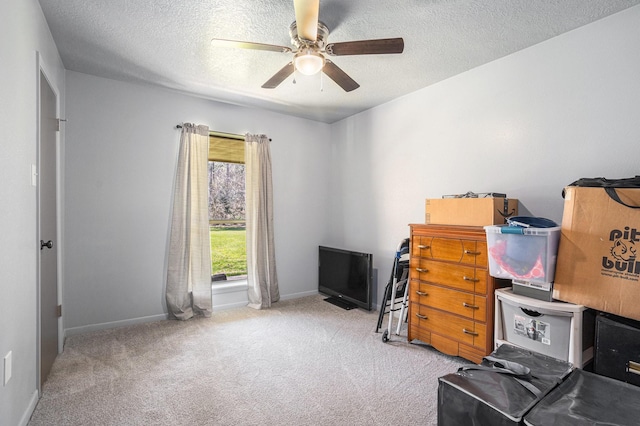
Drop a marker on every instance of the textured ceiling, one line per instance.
(167, 43)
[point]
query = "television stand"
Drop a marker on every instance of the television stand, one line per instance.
(340, 303)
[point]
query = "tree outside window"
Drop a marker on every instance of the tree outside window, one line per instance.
(227, 220)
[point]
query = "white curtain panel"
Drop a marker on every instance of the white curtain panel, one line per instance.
(261, 261)
(189, 261)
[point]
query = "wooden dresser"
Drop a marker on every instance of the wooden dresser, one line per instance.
(451, 300)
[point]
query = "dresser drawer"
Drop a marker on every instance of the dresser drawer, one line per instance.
(450, 290)
(451, 250)
(452, 326)
(453, 275)
(468, 305)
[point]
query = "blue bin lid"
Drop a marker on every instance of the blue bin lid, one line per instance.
(531, 221)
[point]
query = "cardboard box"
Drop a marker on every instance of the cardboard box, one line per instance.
(469, 211)
(597, 259)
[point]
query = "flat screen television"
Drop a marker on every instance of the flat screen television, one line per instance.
(346, 277)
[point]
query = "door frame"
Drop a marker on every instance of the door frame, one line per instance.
(42, 68)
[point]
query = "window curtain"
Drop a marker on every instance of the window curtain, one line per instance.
(261, 262)
(189, 261)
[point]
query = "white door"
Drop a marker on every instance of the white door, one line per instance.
(48, 229)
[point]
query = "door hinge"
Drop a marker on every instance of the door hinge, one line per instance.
(59, 311)
(58, 122)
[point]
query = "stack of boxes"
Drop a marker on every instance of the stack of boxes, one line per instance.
(549, 314)
(599, 267)
(525, 251)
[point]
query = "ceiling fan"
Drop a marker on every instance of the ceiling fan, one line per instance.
(309, 38)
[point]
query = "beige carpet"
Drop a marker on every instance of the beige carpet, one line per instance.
(303, 362)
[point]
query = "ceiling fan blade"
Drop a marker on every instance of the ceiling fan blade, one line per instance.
(340, 77)
(307, 18)
(366, 47)
(279, 77)
(249, 45)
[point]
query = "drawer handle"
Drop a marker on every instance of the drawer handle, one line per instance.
(422, 270)
(473, 280)
(423, 246)
(466, 305)
(633, 367)
(422, 316)
(473, 333)
(421, 293)
(472, 253)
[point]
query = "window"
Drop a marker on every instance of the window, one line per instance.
(227, 209)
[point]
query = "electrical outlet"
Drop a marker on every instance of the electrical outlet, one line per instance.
(7, 368)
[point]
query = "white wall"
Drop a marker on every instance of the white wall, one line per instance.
(121, 153)
(527, 125)
(23, 32)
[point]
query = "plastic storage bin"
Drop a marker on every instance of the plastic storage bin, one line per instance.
(542, 291)
(519, 253)
(485, 397)
(561, 330)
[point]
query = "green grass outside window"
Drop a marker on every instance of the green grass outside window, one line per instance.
(228, 251)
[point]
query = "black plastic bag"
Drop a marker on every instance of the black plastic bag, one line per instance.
(609, 186)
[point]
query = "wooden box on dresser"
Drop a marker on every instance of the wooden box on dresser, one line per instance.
(451, 300)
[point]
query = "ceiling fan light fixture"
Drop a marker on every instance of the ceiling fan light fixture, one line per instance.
(308, 61)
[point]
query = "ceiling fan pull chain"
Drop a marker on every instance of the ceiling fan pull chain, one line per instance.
(294, 72)
(321, 83)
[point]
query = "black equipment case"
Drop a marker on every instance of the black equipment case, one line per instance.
(498, 393)
(586, 398)
(617, 348)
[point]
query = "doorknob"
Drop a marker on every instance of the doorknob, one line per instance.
(48, 244)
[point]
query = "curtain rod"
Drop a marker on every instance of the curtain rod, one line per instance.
(222, 134)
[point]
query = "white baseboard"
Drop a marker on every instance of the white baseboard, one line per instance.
(32, 406)
(298, 295)
(113, 324)
(229, 304)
